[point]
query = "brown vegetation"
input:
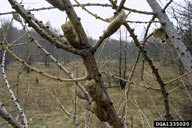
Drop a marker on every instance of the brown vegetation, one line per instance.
(145, 105)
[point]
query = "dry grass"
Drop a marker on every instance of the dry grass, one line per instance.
(43, 111)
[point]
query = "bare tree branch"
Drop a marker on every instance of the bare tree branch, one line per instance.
(167, 5)
(5, 115)
(42, 29)
(89, 12)
(41, 72)
(13, 97)
(175, 38)
(155, 71)
(75, 20)
(179, 77)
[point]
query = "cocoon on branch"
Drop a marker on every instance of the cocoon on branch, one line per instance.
(70, 34)
(115, 24)
(17, 17)
(99, 111)
(161, 34)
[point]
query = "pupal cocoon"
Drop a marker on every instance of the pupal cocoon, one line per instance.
(161, 34)
(70, 34)
(116, 23)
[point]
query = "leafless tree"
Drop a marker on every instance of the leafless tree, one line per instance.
(75, 41)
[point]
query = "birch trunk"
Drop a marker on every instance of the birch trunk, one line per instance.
(176, 39)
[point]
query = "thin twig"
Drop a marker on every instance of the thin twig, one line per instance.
(89, 12)
(67, 72)
(87, 4)
(121, 5)
(13, 97)
(41, 72)
(167, 5)
(74, 19)
(154, 69)
(71, 116)
(6, 116)
(177, 78)
(99, 56)
(155, 106)
(42, 29)
(187, 90)
(130, 82)
(180, 117)
(141, 22)
(134, 102)
(19, 44)
(145, 38)
(113, 54)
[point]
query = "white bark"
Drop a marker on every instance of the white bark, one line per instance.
(176, 39)
(13, 97)
(5, 115)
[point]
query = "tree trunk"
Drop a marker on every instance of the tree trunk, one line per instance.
(176, 40)
(99, 93)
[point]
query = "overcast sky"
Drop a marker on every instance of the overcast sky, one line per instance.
(93, 27)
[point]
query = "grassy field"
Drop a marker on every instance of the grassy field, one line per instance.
(42, 110)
